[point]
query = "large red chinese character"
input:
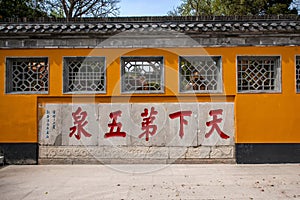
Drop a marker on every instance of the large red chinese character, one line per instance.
(114, 116)
(147, 123)
(79, 124)
(214, 124)
(181, 114)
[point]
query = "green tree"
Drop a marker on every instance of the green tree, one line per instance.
(58, 8)
(20, 8)
(233, 7)
(199, 7)
(81, 8)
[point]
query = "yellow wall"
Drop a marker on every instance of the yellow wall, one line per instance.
(260, 118)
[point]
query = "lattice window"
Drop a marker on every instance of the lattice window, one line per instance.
(142, 74)
(27, 75)
(84, 75)
(259, 74)
(201, 74)
(298, 73)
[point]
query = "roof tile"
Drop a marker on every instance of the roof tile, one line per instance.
(186, 25)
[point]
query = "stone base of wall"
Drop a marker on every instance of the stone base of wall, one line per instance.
(254, 153)
(135, 155)
(134, 161)
(19, 153)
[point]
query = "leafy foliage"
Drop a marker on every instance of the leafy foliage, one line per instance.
(20, 8)
(58, 8)
(81, 8)
(233, 7)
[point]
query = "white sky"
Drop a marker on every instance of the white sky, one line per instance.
(147, 7)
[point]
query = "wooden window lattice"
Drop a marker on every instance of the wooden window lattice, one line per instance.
(27, 75)
(142, 74)
(202, 73)
(84, 75)
(258, 73)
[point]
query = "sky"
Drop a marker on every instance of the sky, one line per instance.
(147, 7)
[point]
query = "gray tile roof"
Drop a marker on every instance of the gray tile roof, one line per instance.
(151, 32)
(189, 25)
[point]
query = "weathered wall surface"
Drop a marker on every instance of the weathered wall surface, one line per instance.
(90, 131)
(261, 118)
